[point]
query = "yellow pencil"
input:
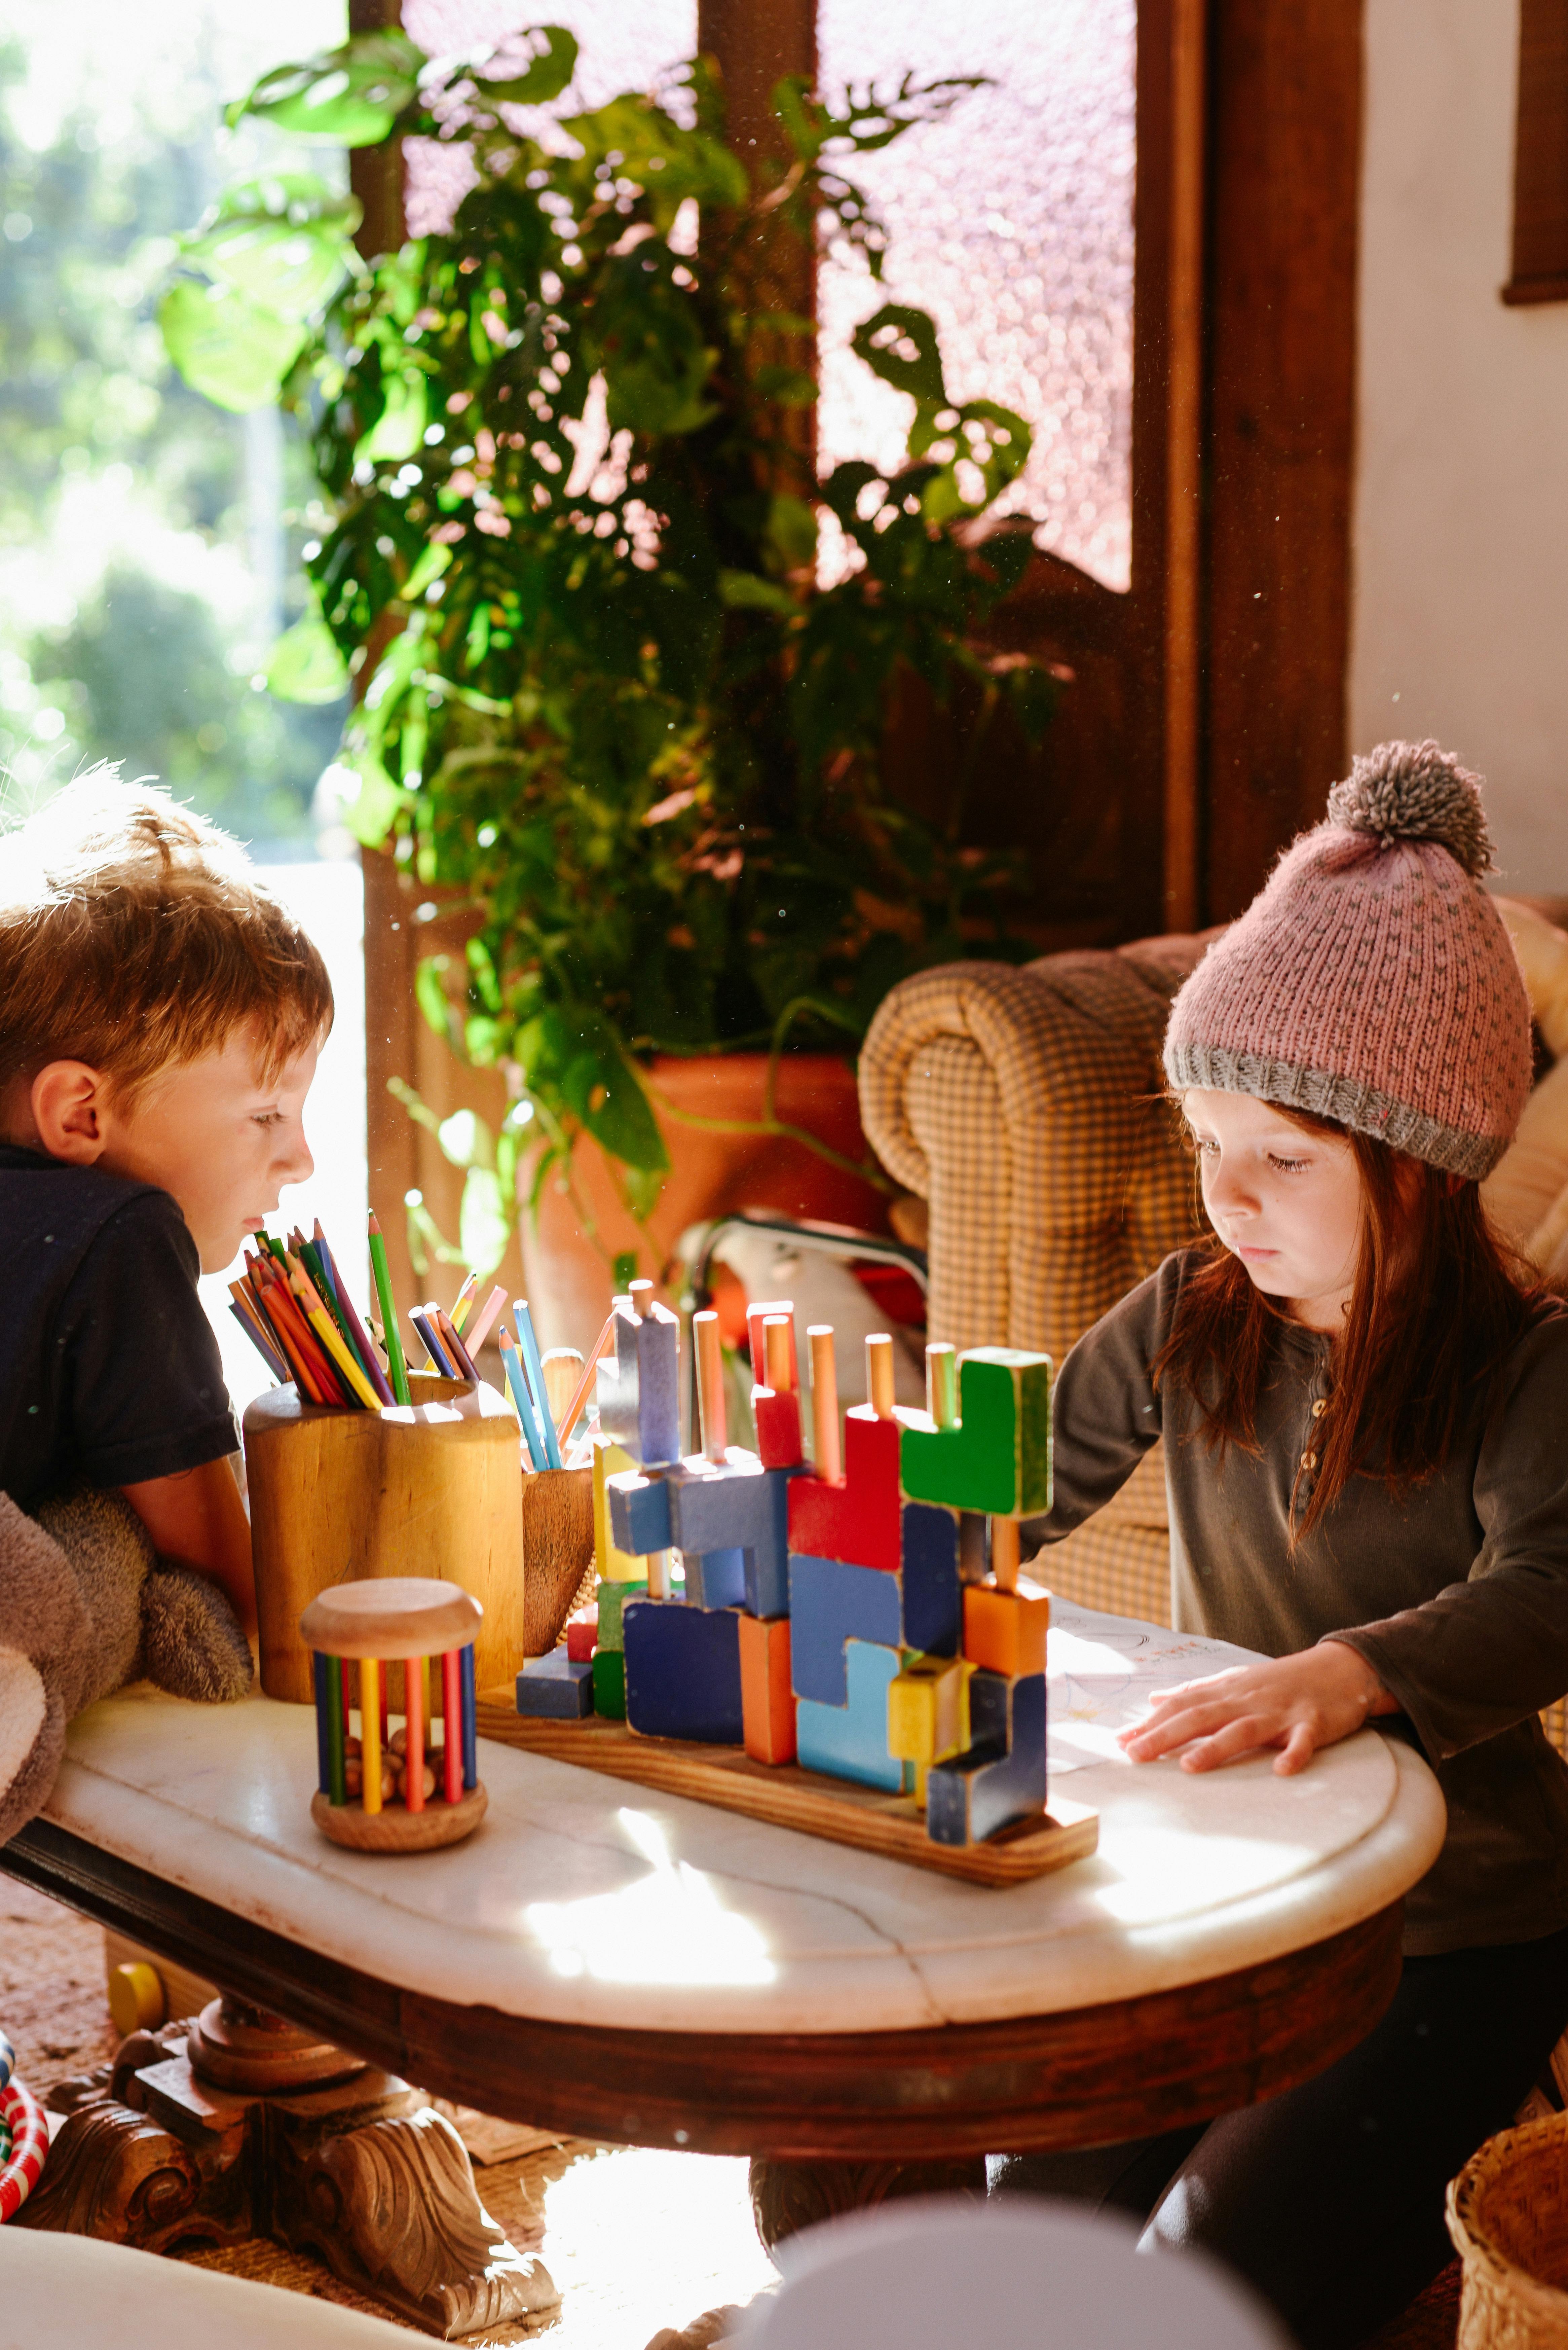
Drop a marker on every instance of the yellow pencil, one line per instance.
(327, 1330)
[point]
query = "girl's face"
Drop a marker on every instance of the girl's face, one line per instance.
(1285, 1200)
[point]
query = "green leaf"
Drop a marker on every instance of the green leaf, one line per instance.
(284, 240)
(483, 1227)
(791, 387)
(546, 78)
(232, 350)
(399, 429)
(353, 95)
(791, 531)
(745, 591)
(304, 665)
(899, 344)
(624, 1268)
(624, 1124)
(466, 1139)
(377, 803)
(431, 995)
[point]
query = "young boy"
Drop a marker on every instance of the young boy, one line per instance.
(160, 1020)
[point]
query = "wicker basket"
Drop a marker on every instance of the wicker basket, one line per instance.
(1508, 2215)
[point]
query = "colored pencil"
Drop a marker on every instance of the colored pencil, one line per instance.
(306, 1378)
(397, 1370)
(463, 1303)
(264, 1347)
(529, 1344)
(452, 1343)
(569, 1419)
(284, 1307)
(356, 1335)
(327, 1330)
(476, 1336)
(518, 1384)
(432, 1345)
(470, 1722)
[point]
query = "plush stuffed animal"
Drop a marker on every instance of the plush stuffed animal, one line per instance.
(86, 1605)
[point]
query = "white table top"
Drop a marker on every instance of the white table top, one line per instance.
(582, 1899)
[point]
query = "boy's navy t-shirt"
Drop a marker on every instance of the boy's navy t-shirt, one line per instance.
(109, 1366)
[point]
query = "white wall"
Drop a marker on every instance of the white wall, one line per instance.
(1459, 623)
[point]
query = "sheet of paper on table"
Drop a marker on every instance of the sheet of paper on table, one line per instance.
(1101, 1673)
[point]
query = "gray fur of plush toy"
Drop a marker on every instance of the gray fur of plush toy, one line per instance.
(86, 1606)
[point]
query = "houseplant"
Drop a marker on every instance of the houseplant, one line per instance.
(576, 564)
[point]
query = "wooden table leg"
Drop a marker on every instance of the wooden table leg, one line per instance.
(789, 2196)
(293, 2139)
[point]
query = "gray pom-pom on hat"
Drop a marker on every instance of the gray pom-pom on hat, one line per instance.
(1416, 791)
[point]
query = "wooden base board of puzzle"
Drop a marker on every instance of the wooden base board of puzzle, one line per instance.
(789, 1797)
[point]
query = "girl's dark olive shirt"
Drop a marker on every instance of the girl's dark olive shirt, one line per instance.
(1455, 1592)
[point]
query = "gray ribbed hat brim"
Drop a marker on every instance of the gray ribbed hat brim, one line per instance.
(1360, 1107)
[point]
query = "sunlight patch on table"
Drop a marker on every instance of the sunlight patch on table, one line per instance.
(669, 1927)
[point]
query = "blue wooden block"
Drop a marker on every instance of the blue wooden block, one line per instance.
(683, 1671)
(1001, 1778)
(555, 1689)
(639, 1391)
(738, 1505)
(638, 1512)
(934, 1605)
(716, 1579)
(850, 1740)
(829, 1604)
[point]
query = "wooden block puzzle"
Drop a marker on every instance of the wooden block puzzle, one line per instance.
(556, 1687)
(998, 1458)
(855, 1622)
(768, 1694)
(684, 1672)
(639, 1386)
(830, 1605)
(1005, 1630)
(857, 1521)
(1002, 1776)
(611, 1564)
(850, 1740)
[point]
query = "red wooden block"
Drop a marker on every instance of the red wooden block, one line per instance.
(857, 1521)
(582, 1632)
(777, 1416)
(767, 1699)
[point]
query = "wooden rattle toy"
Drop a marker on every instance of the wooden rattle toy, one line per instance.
(395, 1790)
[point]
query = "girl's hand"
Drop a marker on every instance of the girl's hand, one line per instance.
(1298, 1703)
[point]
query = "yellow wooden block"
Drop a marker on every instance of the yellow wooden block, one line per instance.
(611, 1564)
(928, 1709)
(1005, 1630)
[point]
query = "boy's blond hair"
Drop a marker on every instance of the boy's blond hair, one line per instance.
(133, 935)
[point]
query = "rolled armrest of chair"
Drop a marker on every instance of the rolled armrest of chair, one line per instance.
(1025, 1106)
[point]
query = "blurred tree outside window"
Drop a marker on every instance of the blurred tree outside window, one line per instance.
(150, 543)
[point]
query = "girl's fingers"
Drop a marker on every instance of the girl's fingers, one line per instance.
(1237, 1738)
(1300, 1748)
(1175, 1729)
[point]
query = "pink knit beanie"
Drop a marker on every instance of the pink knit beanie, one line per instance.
(1372, 980)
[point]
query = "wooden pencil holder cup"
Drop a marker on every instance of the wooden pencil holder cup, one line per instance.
(338, 1496)
(372, 1644)
(558, 1552)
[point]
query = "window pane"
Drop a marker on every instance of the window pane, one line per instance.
(1011, 224)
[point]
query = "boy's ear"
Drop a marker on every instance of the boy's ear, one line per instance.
(66, 1099)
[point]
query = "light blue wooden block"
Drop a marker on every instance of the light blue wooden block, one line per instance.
(850, 1742)
(639, 1391)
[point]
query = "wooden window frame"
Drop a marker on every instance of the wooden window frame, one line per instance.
(1538, 267)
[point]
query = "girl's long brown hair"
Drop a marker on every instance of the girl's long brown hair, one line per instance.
(1438, 1299)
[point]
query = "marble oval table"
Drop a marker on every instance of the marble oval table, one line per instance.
(632, 1966)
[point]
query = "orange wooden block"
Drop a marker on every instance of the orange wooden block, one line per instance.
(1005, 1630)
(767, 1699)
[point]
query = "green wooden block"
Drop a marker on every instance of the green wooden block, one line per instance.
(609, 1683)
(613, 1597)
(998, 1458)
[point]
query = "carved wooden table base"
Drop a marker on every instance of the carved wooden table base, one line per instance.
(237, 2124)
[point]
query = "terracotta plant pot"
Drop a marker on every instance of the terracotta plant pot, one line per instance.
(711, 1174)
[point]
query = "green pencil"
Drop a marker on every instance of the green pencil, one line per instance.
(397, 1370)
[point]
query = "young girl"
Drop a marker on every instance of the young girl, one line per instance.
(1364, 1409)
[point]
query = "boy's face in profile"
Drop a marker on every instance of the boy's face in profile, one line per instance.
(208, 1130)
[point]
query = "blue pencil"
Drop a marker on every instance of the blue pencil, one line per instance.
(519, 1387)
(536, 1370)
(431, 1344)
